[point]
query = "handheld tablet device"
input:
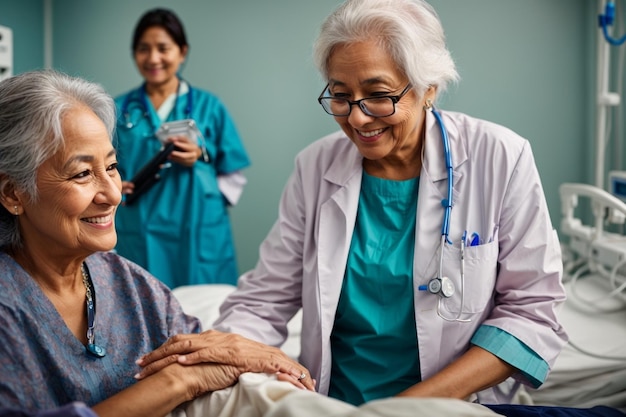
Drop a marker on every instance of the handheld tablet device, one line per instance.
(148, 175)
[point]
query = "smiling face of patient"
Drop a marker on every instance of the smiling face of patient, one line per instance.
(79, 191)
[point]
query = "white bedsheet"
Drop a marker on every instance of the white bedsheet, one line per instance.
(260, 395)
(577, 380)
(203, 301)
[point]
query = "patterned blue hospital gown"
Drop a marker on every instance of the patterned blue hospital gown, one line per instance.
(43, 365)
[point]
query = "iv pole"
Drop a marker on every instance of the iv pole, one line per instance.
(605, 98)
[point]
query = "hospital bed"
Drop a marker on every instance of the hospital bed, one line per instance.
(591, 370)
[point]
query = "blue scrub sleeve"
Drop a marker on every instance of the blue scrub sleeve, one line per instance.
(231, 154)
(513, 351)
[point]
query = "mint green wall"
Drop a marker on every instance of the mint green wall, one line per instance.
(526, 64)
(25, 19)
(255, 56)
(530, 65)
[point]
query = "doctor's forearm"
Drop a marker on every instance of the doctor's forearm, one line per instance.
(476, 370)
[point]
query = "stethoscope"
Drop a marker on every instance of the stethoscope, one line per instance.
(142, 97)
(441, 285)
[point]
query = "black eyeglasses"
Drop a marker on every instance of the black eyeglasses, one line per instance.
(381, 106)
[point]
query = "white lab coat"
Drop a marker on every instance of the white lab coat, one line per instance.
(512, 280)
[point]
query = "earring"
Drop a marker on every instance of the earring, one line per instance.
(16, 212)
(428, 105)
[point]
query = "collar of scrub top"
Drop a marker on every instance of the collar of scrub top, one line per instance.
(143, 99)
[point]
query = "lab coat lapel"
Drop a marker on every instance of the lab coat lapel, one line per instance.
(336, 225)
(433, 189)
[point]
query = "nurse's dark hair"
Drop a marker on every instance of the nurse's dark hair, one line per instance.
(32, 106)
(165, 19)
(409, 30)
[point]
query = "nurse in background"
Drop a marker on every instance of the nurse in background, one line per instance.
(180, 229)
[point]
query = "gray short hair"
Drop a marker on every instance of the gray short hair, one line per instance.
(409, 30)
(32, 106)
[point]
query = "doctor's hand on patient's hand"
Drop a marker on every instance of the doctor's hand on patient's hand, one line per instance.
(186, 152)
(298, 381)
(212, 346)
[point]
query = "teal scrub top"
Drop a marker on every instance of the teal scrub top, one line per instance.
(374, 339)
(179, 230)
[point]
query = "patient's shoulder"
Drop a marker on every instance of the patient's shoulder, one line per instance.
(111, 269)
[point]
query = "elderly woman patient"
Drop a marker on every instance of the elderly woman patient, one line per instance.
(75, 318)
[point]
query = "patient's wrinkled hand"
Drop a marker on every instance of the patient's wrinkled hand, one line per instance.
(203, 378)
(223, 348)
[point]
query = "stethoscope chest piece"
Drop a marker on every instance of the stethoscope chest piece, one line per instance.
(441, 286)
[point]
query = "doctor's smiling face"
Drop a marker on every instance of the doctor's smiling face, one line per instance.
(390, 144)
(158, 57)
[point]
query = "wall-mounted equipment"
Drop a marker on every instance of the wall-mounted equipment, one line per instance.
(6, 52)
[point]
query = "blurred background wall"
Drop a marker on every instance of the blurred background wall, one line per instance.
(529, 65)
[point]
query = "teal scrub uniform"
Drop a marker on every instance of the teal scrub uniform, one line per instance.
(179, 230)
(374, 338)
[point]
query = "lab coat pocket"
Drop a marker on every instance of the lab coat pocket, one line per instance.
(475, 286)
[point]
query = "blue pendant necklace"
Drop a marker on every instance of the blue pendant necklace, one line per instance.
(90, 299)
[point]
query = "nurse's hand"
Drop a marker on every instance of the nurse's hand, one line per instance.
(127, 187)
(223, 348)
(186, 152)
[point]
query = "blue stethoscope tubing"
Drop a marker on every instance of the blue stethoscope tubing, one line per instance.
(447, 203)
(143, 98)
(445, 227)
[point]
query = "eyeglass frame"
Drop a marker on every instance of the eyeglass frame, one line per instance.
(394, 99)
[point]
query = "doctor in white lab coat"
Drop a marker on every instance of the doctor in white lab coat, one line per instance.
(512, 279)
(346, 249)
